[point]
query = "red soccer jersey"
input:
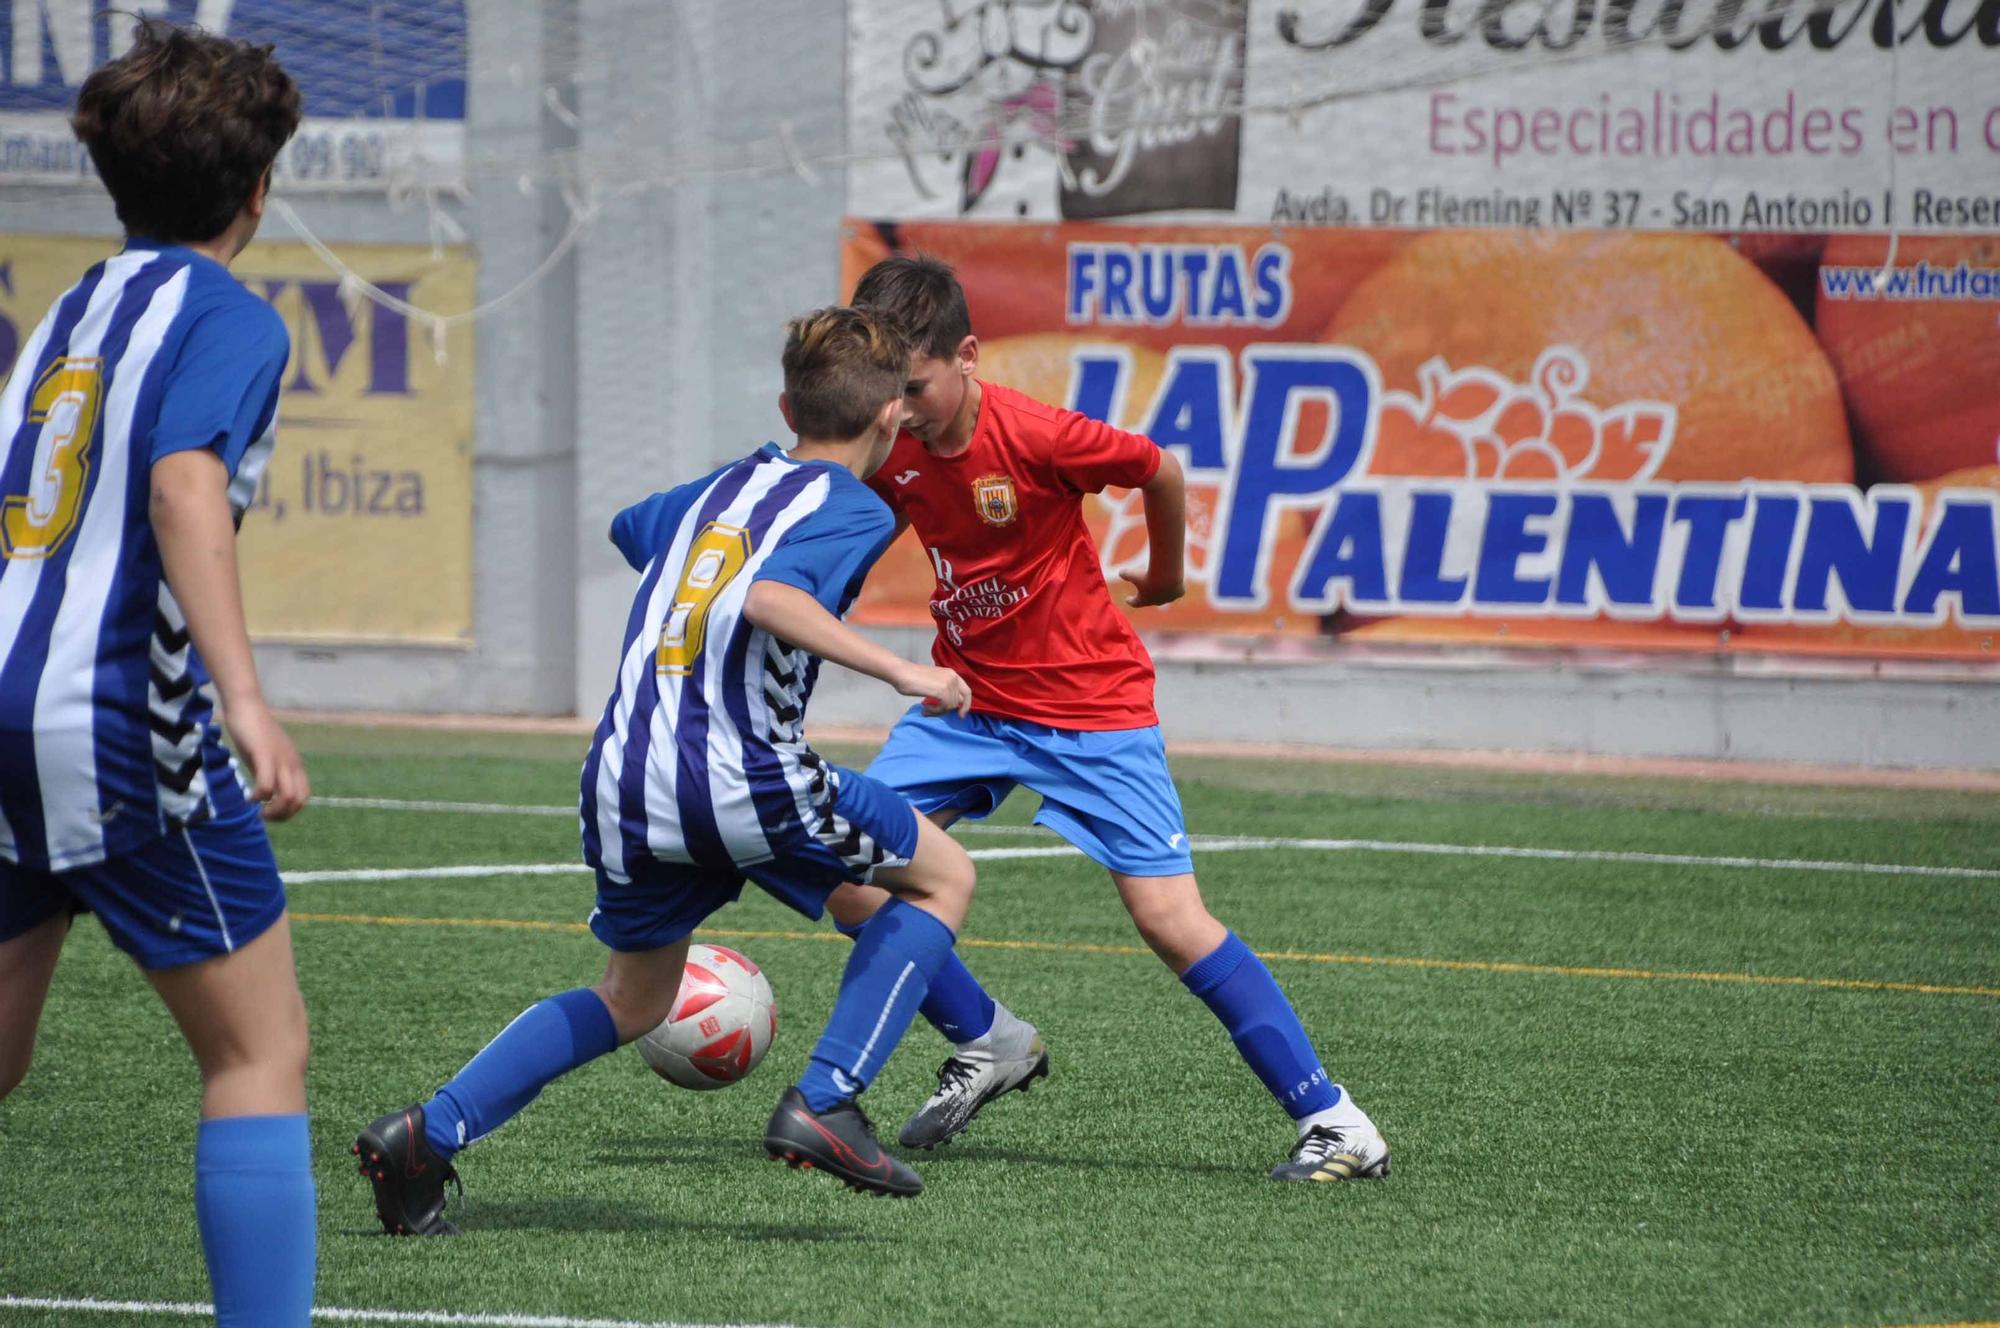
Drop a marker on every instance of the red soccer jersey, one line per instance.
(1022, 609)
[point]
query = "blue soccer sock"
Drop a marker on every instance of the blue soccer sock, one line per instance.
(548, 1040)
(1246, 998)
(956, 1005)
(890, 969)
(254, 1202)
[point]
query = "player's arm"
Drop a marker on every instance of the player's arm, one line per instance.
(196, 532)
(1166, 537)
(790, 613)
(1091, 455)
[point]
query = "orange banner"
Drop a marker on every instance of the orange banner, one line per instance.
(1634, 439)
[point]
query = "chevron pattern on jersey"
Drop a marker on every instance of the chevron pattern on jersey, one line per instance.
(177, 728)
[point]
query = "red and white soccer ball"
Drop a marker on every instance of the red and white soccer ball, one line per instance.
(721, 1024)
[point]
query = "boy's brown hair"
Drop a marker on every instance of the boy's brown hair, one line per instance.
(183, 127)
(922, 297)
(841, 366)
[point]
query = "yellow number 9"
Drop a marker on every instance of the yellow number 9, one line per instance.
(65, 403)
(713, 560)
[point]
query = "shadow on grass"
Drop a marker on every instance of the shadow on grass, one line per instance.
(611, 1216)
(674, 1150)
(1014, 1157)
(574, 1214)
(682, 1151)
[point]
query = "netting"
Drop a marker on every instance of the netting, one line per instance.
(387, 90)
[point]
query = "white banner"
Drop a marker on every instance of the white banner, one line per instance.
(38, 148)
(1707, 115)
(383, 89)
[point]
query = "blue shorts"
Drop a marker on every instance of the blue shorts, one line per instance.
(194, 893)
(1106, 792)
(870, 827)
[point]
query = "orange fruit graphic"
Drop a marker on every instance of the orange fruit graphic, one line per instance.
(1973, 477)
(1039, 365)
(1922, 377)
(1776, 250)
(1789, 259)
(1679, 320)
(1649, 356)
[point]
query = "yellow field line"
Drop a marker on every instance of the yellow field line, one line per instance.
(1279, 956)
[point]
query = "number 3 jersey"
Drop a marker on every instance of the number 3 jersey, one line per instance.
(105, 732)
(701, 755)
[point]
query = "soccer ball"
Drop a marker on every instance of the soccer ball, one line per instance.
(721, 1023)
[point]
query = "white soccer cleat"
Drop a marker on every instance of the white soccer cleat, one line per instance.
(1355, 1151)
(966, 1083)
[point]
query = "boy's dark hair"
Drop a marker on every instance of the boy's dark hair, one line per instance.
(841, 366)
(183, 127)
(922, 297)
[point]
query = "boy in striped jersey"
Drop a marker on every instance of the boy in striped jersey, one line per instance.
(132, 434)
(700, 777)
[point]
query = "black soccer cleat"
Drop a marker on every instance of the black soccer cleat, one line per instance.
(408, 1175)
(840, 1141)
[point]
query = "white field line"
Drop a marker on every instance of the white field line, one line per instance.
(570, 813)
(435, 873)
(1236, 843)
(1244, 844)
(335, 1314)
(1205, 843)
(475, 808)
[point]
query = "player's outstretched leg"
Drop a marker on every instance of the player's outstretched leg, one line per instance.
(407, 1155)
(1336, 1140)
(994, 1051)
(817, 1122)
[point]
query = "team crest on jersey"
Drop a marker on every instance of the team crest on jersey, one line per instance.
(993, 499)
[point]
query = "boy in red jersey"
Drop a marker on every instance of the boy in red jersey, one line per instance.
(994, 482)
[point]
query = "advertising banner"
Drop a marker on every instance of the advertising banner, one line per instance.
(362, 528)
(1784, 442)
(383, 85)
(1820, 116)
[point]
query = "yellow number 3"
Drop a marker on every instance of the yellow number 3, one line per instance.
(716, 556)
(65, 403)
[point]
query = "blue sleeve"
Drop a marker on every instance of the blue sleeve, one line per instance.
(222, 390)
(828, 552)
(642, 530)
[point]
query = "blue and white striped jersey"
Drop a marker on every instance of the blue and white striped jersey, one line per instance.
(105, 733)
(701, 755)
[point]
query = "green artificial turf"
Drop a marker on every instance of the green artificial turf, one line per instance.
(1585, 1130)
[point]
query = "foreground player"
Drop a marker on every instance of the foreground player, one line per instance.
(132, 434)
(994, 481)
(700, 777)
